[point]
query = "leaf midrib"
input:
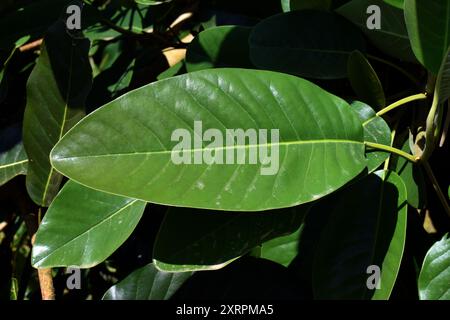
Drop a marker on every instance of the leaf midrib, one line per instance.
(289, 143)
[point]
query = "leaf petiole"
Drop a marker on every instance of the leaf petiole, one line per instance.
(420, 96)
(391, 150)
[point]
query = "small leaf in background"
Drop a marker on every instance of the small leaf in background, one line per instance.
(175, 70)
(413, 177)
(151, 2)
(292, 5)
(282, 249)
(147, 283)
(396, 3)
(56, 93)
(367, 228)
(13, 159)
(434, 278)
(308, 43)
(82, 227)
(428, 24)
(225, 46)
(365, 81)
(130, 17)
(375, 130)
(209, 240)
(30, 21)
(392, 38)
(103, 153)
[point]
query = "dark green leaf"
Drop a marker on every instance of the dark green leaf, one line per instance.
(56, 93)
(173, 71)
(392, 38)
(208, 240)
(147, 283)
(413, 178)
(367, 228)
(225, 46)
(365, 81)
(442, 90)
(428, 24)
(434, 279)
(13, 159)
(396, 3)
(282, 249)
(30, 21)
(308, 43)
(83, 227)
(320, 147)
(375, 130)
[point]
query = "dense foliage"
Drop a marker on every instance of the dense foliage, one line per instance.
(221, 149)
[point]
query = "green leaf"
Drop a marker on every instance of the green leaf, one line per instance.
(375, 130)
(83, 227)
(175, 70)
(434, 278)
(147, 283)
(367, 228)
(442, 89)
(291, 5)
(151, 2)
(13, 159)
(396, 3)
(14, 289)
(225, 46)
(413, 178)
(313, 44)
(320, 144)
(365, 81)
(208, 240)
(428, 28)
(56, 93)
(283, 249)
(392, 38)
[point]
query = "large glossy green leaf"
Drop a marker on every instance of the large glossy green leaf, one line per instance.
(367, 228)
(375, 130)
(125, 147)
(413, 178)
(428, 24)
(56, 92)
(13, 159)
(291, 5)
(207, 240)
(365, 81)
(308, 43)
(83, 227)
(282, 249)
(147, 283)
(225, 46)
(434, 278)
(392, 38)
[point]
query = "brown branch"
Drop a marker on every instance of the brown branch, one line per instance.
(45, 275)
(31, 45)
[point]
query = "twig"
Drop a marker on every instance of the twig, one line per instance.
(31, 45)
(44, 275)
